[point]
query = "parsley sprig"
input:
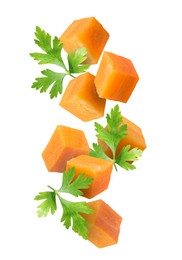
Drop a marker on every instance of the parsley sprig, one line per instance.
(71, 210)
(111, 136)
(52, 54)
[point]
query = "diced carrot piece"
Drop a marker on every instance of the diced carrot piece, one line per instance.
(87, 33)
(134, 138)
(64, 144)
(116, 78)
(81, 99)
(96, 168)
(104, 224)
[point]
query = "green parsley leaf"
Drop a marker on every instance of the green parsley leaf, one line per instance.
(98, 152)
(52, 54)
(52, 50)
(115, 132)
(127, 156)
(111, 136)
(51, 78)
(75, 61)
(71, 216)
(48, 205)
(71, 210)
(69, 185)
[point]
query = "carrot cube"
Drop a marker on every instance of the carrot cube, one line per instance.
(64, 144)
(87, 33)
(96, 168)
(116, 78)
(81, 99)
(104, 224)
(134, 138)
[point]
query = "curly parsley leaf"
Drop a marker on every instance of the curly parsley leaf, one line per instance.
(71, 210)
(48, 205)
(52, 54)
(75, 61)
(111, 135)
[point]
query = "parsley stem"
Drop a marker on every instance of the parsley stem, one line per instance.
(63, 201)
(115, 166)
(57, 194)
(72, 76)
(50, 188)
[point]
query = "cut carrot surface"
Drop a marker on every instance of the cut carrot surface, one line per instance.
(134, 138)
(104, 224)
(116, 78)
(64, 144)
(99, 169)
(81, 99)
(87, 33)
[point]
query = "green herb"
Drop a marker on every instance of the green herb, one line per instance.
(127, 156)
(74, 187)
(52, 55)
(71, 210)
(111, 136)
(75, 59)
(43, 83)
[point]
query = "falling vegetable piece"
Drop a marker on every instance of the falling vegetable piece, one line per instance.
(64, 144)
(71, 216)
(116, 77)
(81, 99)
(96, 168)
(103, 224)
(87, 33)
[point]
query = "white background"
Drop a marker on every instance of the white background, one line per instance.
(149, 198)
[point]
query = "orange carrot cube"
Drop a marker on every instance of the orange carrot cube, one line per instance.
(64, 144)
(96, 168)
(87, 33)
(81, 99)
(116, 78)
(104, 224)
